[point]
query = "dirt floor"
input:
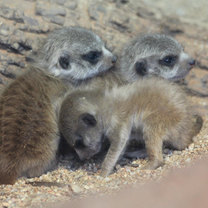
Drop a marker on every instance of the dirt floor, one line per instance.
(23, 23)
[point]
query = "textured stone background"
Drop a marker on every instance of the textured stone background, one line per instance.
(23, 23)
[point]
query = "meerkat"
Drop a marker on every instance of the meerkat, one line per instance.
(152, 107)
(145, 56)
(29, 106)
(154, 55)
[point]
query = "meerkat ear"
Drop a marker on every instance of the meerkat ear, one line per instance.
(141, 67)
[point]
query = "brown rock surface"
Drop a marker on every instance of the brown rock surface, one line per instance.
(23, 23)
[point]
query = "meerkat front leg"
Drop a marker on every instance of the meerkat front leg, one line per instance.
(118, 139)
(153, 145)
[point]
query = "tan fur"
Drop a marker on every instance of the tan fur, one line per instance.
(29, 107)
(29, 133)
(154, 48)
(153, 106)
(103, 81)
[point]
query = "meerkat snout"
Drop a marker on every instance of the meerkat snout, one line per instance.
(87, 126)
(114, 59)
(79, 146)
(154, 55)
(192, 63)
(79, 143)
(141, 67)
(84, 147)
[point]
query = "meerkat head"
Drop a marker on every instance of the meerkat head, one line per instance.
(74, 54)
(79, 125)
(88, 137)
(155, 54)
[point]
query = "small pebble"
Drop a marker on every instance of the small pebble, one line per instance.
(76, 189)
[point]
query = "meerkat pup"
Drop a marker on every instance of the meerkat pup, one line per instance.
(153, 107)
(154, 55)
(145, 56)
(29, 106)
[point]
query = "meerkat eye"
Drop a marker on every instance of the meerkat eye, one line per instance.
(92, 56)
(89, 119)
(64, 61)
(141, 68)
(168, 60)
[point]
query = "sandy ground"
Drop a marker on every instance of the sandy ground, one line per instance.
(116, 21)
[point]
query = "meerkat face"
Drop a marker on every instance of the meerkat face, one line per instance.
(84, 135)
(80, 125)
(75, 54)
(88, 137)
(157, 55)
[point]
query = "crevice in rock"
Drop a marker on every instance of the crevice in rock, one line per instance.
(15, 63)
(201, 66)
(7, 74)
(119, 26)
(24, 46)
(195, 93)
(8, 47)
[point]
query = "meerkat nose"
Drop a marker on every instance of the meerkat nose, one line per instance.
(79, 143)
(192, 62)
(114, 59)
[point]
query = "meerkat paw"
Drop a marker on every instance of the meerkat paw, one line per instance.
(152, 165)
(105, 172)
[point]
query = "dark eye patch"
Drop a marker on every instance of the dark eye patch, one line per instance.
(92, 57)
(64, 61)
(141, 68)
(89, 119)
(169, 60)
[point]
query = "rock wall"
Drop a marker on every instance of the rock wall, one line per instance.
(23, 23)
